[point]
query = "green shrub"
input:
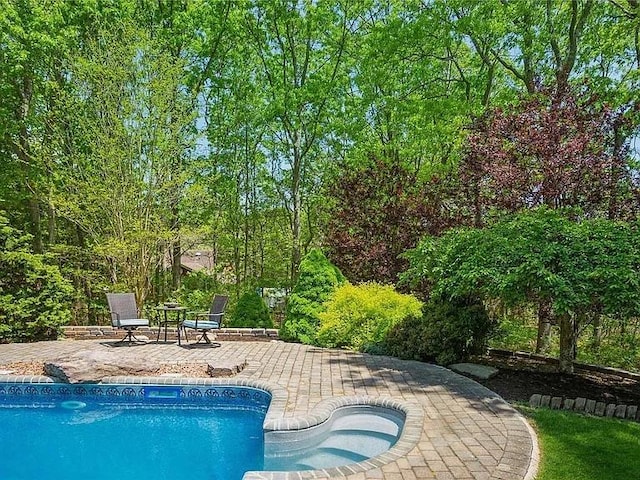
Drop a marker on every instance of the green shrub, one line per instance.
(447, 332)
(359, 316)
(35, 300)
(197, 291)
(318, 278)
(515, 334)
(251, 311)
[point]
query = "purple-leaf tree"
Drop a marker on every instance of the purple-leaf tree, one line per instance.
(378, 212)
(551, 149)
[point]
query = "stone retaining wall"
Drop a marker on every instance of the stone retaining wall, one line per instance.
(554, 361)
(95, 332)
(584, 405)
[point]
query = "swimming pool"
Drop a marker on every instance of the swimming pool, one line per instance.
(58, 432)
(218, 430)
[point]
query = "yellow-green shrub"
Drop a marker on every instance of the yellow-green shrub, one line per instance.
(359, 316)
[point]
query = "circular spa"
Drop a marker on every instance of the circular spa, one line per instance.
(212, 432)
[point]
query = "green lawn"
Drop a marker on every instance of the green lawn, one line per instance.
(577, 447)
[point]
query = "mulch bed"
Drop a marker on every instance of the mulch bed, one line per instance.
(516, 383)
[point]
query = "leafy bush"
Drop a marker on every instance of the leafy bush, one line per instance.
(515, 334)
(197, 291)
(89, 275)
(35, 298)
(318, 278)
(359, 316)
(446, 333)
(251, 311)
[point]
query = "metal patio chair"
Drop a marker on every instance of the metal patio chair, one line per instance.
(206, 321)
(124, 314)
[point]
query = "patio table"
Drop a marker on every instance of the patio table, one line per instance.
(164, 318)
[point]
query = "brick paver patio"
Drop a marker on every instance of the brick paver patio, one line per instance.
(468, 432)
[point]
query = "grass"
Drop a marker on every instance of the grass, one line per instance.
(578, 447)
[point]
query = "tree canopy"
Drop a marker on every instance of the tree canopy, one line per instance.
(133, 133)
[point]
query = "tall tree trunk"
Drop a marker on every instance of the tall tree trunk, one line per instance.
(297, 206)
(36, 221)
(176, 244)
(567, 343)
(51, 224)
(545, 317)
(176, 263)
(23, 151)
(596, 338)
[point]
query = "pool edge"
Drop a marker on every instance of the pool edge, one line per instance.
(275, 419)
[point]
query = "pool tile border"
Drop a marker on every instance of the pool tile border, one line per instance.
(221, 394)
(275, 419)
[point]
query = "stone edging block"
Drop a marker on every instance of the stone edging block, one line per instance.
(585, 405)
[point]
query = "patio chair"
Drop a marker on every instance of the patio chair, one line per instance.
(206, 321)
(124, 314)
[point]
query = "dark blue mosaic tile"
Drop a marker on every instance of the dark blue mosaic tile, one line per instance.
(229, 393)
(79, 391)
(14, 390)
(194, 393)
(112, 392)
(96, 391)
(129, 392)
(212, 393)
(64, 391)
(218, 395)
(31, 390)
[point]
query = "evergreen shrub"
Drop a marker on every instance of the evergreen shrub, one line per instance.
(317, 280)
(447, 332)
(251, 312)
(359, 316)
(35, 300)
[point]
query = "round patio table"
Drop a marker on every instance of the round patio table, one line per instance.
(164, 318)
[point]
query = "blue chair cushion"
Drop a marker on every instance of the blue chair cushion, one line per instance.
(202, 324)
(133, 322)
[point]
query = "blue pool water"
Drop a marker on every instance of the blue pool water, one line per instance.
(147, 437)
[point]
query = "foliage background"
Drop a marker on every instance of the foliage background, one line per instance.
(133, 132)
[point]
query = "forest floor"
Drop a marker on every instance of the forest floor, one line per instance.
(518, 380)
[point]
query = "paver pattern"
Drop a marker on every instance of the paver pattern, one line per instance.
(468, 432)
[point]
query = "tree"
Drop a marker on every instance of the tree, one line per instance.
(360, 316)
(578, 267)
(531, 41)
(35, 299)
(300, 47)
(549, 149)
(318, 279)
(251, 311)
(128, 127)
(35, 42)
(378, 211)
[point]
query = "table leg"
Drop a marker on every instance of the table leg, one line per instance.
(179, 324)
(166, 323)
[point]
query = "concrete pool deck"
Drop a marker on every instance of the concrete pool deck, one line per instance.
(467, 432)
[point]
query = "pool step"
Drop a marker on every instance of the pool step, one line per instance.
(366, 444)
(354, 434)
(346, 446)
(326, 457)
(367, 422)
